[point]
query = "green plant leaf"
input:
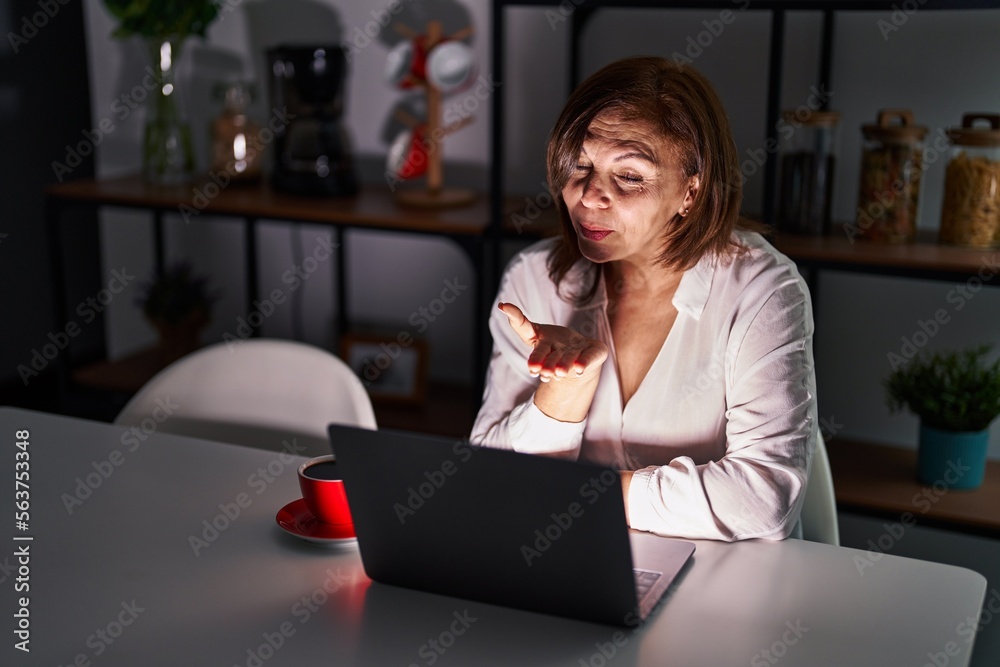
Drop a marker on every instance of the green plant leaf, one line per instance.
(162, 18)
(952, 391)
(175, 293)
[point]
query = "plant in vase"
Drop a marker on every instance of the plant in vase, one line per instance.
(167, 155)
(178, 304)
(956, 395)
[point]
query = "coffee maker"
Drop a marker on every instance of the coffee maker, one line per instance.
(312, 152)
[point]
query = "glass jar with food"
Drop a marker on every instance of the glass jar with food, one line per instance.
(807, 163)
(970, 213)
(891, 170)
(236, 146)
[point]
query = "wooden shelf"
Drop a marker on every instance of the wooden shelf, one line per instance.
(373, 207)
(924, 256)
(125, 375)
(878, 479)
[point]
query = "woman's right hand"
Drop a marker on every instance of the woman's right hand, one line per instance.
(559, 352)
(563, 355)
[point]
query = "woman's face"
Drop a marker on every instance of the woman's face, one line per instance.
(627, 187)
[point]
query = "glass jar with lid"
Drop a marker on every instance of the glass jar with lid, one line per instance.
(891, 170)
(807, 164)
(236, 146)
(970, 212)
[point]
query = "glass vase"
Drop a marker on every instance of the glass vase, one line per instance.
(167, 155)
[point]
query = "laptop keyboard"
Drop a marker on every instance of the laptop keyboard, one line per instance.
(644, 581)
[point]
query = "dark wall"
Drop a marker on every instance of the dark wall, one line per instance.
(44, 106)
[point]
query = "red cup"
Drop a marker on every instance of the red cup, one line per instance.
(407, 156)
(323, 490)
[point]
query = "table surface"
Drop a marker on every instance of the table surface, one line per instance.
(116, 580)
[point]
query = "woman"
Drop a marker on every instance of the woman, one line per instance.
(656, 336)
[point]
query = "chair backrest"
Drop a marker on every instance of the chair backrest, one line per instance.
(270, 394)
(819, 509)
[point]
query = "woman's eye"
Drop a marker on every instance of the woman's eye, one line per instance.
(630, 178)
(582, 167)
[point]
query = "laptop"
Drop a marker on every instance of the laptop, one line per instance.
(511, 529)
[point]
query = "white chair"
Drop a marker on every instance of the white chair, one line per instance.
(268, 394)
(819, 508)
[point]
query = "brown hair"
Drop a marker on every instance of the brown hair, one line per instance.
(683, 107)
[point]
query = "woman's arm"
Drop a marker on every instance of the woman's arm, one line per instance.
(540, 381)
(755, 490)
(509, 418)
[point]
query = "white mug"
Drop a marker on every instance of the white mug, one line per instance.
(449, 65)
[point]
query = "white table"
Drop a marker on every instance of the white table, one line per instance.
(117, 581)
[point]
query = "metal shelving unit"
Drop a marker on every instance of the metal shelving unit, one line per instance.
(871, 493)
(579, 18)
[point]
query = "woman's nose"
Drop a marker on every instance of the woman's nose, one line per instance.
(594, 194)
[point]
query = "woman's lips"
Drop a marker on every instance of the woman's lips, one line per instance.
(594, 234)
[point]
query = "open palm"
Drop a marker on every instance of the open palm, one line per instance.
(558, 351)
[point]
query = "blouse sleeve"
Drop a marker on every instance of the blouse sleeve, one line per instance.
(509, 418)
(755, 490)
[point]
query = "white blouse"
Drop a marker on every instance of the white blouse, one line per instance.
(722, 428)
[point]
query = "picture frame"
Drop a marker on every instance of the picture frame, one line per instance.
(393, 369)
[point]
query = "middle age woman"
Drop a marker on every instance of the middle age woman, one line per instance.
(656, 335)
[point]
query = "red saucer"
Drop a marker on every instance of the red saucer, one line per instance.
(296, 519)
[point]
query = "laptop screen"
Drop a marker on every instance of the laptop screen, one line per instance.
(497, 526)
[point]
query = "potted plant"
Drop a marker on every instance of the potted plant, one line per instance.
(167, 156)
(178, 304)
(956, 395)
